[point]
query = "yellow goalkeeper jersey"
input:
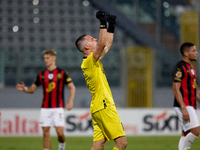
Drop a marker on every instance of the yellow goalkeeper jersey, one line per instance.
(97, 84)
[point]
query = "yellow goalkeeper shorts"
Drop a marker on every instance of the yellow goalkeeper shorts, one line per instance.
(107, 124)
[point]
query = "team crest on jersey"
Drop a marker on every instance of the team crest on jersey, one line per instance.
(50, 76)
(178, 74)
(192, 71)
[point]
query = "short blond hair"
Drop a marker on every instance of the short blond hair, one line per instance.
(51, 52)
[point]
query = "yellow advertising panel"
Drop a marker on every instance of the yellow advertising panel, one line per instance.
(190, 29)
(139, 79)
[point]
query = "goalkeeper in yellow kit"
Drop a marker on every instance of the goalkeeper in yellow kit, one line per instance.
(106, 121)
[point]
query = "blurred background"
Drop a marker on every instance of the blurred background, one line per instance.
(138, 67)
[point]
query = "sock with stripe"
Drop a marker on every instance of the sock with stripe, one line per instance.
(61, 146)
(189, 139)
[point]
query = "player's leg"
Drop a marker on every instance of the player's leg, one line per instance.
(192, 126)
(46, 138)
(98, 145)
(182, 140)
(61, 137)
(185, 129)
(99, 139)
(45, 123)
(60, 133)
(111, 127)
(191, 137)
(195, 131)
(58, 120)
(121, 143)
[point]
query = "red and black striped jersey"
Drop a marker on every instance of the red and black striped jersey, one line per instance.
(186, 74)
(53, 87)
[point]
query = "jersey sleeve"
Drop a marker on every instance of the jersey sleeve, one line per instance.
(67, 79)
(177, 74)
(37, 80)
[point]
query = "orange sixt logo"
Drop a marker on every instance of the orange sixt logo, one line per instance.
(161, 122)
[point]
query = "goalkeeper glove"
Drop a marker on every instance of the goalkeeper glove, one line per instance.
(101, 15)
(112, 21)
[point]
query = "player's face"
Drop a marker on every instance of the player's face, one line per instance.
(49, 60)
(192, 53)
(91, 41)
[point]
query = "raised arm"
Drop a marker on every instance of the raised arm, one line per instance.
(22, 87)
(108, 44)
(110, 34)
(102, 35)
(176, 90)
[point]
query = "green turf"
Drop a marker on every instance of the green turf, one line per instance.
(85, 143)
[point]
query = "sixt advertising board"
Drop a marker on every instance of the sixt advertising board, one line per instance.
(78, 122)
(150, 121)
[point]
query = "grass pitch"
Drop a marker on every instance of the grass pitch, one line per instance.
(85, 143)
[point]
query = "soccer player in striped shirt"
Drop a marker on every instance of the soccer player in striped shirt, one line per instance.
(186, 94)
(52, 80)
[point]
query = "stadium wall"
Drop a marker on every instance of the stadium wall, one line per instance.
(11, 98)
